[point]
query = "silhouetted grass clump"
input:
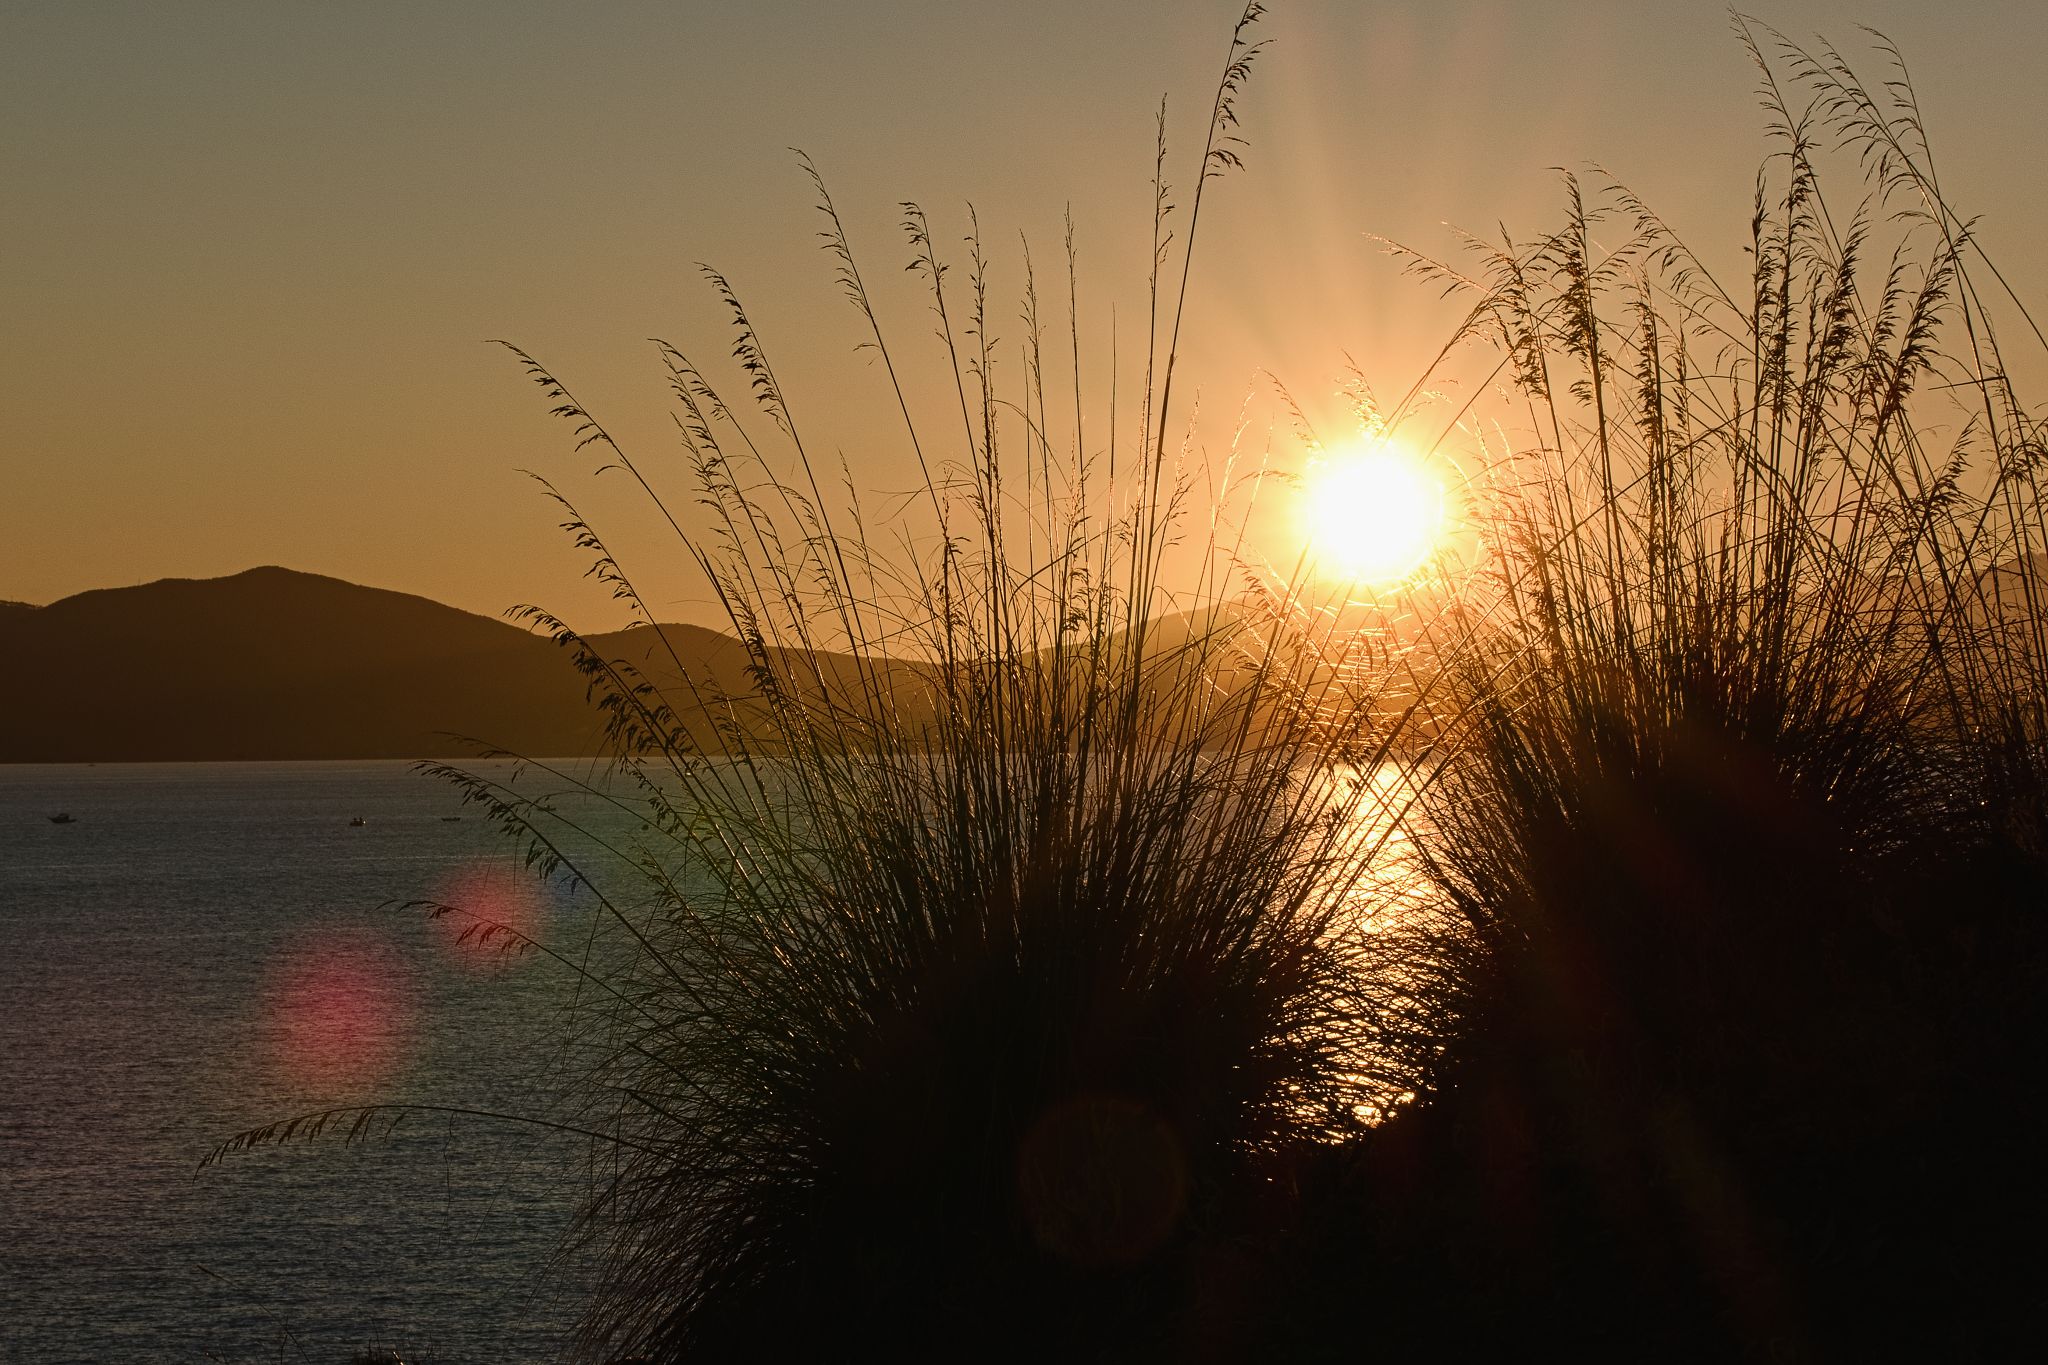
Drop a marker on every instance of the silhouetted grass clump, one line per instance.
(1009, 970)
(992, 950)
(1737, 820)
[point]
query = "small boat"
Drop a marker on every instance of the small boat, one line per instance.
(357, 823)
(63, 817)
(450, 819)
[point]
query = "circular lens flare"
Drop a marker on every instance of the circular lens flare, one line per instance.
(495, 910)
(1374, 515)
(340, 1011)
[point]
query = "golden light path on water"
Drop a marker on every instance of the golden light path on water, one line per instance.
(1389, 912)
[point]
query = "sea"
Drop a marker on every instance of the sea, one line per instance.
(204, 949)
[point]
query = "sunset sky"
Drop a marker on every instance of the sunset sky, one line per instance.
(252, 251)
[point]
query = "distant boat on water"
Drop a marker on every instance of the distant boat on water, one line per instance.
(450, 819)
(63, 817)
(358, 822)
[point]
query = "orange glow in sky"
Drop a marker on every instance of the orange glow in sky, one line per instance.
(254, 252)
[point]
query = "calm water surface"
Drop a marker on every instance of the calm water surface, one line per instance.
(203, 950)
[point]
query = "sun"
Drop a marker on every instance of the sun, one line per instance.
(1374, 514)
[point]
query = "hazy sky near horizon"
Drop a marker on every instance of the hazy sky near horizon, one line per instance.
(252, 252)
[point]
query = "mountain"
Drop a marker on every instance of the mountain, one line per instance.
(277, 664)
(273, 664)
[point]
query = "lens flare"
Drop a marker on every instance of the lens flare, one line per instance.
(494, 909)
(1102, 1180)
(340, 1012)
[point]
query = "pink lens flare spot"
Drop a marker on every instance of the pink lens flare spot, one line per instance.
(340, 1011)
(494, 913)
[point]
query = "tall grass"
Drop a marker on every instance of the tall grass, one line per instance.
(988, 953)
(1739, 820)
(1003, 968)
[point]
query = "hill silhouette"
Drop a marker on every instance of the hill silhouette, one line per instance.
(273, 663)
(277, 664)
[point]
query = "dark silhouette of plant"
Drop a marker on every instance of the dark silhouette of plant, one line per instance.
(1747, 751)
(971, 973)
(1010, 968)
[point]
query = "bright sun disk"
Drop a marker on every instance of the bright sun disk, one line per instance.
(1374, 516)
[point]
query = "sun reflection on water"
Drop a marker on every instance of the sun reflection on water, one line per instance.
(1390, 913)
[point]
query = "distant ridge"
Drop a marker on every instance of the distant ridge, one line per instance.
(272, 663)
(276, 664)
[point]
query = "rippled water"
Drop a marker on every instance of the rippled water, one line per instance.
(203, 950)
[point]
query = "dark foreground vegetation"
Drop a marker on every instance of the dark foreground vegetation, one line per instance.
(1740, 821)
(1072, 1011)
